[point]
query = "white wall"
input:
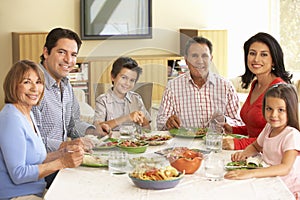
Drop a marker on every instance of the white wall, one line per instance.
(241, 18)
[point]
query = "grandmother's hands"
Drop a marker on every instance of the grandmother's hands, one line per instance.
(72, 156)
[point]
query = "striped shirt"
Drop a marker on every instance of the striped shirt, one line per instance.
(195, 106)
(58, 114)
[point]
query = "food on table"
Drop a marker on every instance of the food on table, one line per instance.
(185, 159)
(155, 139)
(133, 146)
(250, 163)
(132, 143)
(93, 160)
(154, 160)
(155, 174)
(99, 144)
(189, 132)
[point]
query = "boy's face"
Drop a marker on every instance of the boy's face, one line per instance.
(124, 82)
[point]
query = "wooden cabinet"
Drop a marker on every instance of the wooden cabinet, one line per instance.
(28, 46)
(219, 39)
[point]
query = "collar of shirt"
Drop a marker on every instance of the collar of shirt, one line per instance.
(112, 97)
(211, 78)
(50, 81)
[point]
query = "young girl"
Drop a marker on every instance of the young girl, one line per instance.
(279, 141)
(119, 105)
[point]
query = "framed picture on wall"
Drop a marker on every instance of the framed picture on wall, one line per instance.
(115, 19)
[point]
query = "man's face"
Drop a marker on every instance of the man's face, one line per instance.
(198, 60)
(62, 58)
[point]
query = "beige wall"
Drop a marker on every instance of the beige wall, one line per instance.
(241, 18)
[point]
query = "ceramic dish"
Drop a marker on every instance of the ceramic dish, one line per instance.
(149, 160)
(133, 146)
(188, 132)
(156, 185)
(154, 139)
(107, 144)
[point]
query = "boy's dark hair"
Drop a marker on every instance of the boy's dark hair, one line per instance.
(288, 93)
(125, 62)
(58, 33)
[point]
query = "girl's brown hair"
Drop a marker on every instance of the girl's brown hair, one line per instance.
(288, 93)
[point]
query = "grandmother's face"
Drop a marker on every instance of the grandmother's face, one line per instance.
(30, 89)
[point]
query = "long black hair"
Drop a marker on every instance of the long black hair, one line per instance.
(277, 57)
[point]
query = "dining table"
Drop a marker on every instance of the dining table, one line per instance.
(95, 183)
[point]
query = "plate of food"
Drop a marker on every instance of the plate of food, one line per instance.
(106, 144)
(94, 160)
(154, 139)
(156, 178)
(133, 146)
(188, 132)
(249, 163)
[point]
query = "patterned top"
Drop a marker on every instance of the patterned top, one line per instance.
(58, 115)
(109, 106)
(195, 106)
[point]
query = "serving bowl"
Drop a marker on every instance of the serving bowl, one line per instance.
(188, 162)
(157, 184)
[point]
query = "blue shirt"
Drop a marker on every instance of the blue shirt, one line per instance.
(21, 151)
(58, 114)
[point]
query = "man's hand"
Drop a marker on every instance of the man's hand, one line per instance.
(173, 122)
(228, 144)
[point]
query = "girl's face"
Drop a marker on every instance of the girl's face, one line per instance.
(259, 58)
(30, 89)
(275, 113)
(124, 82)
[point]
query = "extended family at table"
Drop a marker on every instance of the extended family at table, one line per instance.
(41, 111)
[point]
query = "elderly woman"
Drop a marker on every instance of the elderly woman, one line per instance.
(24, 161)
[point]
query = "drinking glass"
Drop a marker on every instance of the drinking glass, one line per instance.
(117, 162)
(127, 130)
(214, 168)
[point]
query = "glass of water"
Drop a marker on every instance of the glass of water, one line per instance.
(117, 162)
(214, 168)
(127, 130)
(214, 138)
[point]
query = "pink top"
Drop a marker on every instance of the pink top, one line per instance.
(274, 147)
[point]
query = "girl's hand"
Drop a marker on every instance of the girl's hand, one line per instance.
(238, 156)
(239, 174)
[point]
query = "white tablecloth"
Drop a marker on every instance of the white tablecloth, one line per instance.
(85, 183)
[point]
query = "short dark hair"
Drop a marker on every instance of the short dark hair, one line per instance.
(125, 62)
(288, 93)
(58, 33)
(199, 40)
(16, 75)
(276, 54)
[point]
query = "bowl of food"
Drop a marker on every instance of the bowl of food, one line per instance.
(156, 179)
(133, 146)
(187, 161)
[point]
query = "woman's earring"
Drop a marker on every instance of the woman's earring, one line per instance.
(273, 68)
